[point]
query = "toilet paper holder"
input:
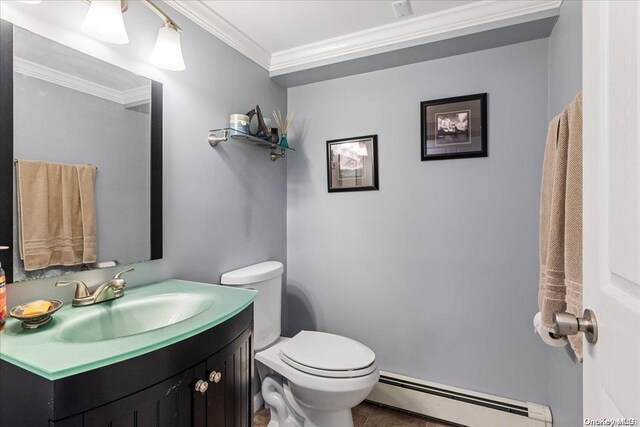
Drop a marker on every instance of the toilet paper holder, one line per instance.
(565, 324)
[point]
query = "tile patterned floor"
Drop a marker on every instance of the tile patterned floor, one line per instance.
(370, 415)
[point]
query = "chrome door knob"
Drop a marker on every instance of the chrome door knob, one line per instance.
(565, 324)
(215, 377)
(202, 386)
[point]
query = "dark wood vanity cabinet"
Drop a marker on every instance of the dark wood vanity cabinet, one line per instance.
(170, 403)
(222, 398)
(228, 400)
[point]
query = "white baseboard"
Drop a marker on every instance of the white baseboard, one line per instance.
(258, 402)
(456, 405)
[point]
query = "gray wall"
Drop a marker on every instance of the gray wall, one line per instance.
(565, 81)
(224, 208)
(565, 57)
(438, 271)
(100, 132)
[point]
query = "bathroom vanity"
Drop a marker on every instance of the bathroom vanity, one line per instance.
(135, 361)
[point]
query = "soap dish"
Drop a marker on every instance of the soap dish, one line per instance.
(37, 320)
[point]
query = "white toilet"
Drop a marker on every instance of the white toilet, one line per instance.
(312, 379)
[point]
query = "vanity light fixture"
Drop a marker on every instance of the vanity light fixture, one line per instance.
(167, 53)
(104, 22)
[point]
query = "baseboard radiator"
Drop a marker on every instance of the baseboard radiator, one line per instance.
(456, 405)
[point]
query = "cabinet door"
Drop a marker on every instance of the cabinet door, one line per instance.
(173, 402)
(229, 400)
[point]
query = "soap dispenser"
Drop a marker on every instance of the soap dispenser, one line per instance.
(3, 293)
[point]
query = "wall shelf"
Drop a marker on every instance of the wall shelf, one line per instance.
(272, 141)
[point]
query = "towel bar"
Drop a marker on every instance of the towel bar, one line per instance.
(88, 164)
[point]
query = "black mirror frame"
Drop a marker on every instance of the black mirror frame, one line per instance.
(7, 166)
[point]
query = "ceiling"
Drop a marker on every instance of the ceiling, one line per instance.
(278, 25)
(291, 37)
(46, 54)
(44, 59)
(285, 36)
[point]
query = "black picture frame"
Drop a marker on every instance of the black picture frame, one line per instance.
(7, 157)
(333, 165)
(467, 142)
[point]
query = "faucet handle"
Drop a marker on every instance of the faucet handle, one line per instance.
(81, 288)
(119, 275)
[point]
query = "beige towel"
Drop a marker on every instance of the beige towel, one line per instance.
(561, 220)
(56, 214)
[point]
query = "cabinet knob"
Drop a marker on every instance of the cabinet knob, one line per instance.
(202, 386)
(215, 377)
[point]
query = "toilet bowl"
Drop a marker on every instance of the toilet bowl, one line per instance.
(321, 377)
(312, 379)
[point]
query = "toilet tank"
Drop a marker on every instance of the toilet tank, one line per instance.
(266, 278)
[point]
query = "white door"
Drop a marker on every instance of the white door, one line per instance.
(611, 95)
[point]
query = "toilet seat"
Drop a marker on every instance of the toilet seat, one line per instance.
(329, 374)
(328, 355)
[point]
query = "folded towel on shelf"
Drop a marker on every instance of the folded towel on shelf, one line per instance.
(560, 287)
(56, 213)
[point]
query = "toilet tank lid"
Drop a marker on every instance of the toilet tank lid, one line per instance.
(253, 273)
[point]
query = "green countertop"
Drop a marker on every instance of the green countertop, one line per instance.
(51, 353)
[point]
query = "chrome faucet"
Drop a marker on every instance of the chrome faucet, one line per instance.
(111, 289)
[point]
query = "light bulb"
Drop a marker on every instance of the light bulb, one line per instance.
(167, 53)
(104, 22)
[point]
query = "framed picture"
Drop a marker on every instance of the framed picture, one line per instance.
(352, 164)
(454, 128)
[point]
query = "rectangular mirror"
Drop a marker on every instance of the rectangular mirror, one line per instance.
(71, 113)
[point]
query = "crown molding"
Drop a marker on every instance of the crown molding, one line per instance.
(135, 96)
(127, 98)
(400, 34)
(408, 32)
(207, 18)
